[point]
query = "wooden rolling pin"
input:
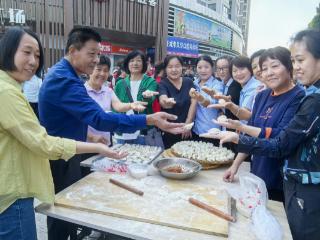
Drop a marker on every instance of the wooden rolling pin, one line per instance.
(125, 186)
(213, 210)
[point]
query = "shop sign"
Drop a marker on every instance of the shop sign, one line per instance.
(182, 47)
(146, 2)
(108, 48)
(105, 48)
(15, 16)
(121, 50)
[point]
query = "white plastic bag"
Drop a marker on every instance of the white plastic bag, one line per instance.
(252, 193)
(264, 225)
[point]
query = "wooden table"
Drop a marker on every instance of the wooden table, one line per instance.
(142, 230)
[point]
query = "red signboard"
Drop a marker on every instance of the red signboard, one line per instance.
(105, 48)
(108, 48)
(121, 50)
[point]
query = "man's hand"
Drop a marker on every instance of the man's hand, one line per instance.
(160, 120)
(149, 94)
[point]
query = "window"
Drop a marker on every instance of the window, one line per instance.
(213, 6)
(201, 2)
(225, 11)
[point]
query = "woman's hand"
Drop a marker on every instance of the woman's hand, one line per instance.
(229, 174)
(199, 97)
(169, 103)
(97, 139)
(224, 136)
(229, 123)
(210, 91)
(108, 152)
(149, 94)
(186, 134)
(223, 102)
(138, 106)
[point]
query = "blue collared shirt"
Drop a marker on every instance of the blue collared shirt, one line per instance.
(226, 86)
(248, 93)
(66, 109)
(204, 116)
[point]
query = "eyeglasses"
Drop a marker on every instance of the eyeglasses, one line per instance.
(222, 69)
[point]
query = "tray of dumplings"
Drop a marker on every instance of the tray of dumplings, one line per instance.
(208, 155)
(142, 154)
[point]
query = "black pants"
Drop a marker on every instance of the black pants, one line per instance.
(64, 174)
(35, 108)
(302, 204)
(170, 139)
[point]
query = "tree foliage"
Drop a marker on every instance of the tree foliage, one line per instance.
(315, 22)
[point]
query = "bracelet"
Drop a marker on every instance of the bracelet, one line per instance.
(238, 111)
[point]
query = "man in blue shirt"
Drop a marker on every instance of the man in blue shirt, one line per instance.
(66, 110)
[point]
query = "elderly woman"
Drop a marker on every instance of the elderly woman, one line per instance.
(25, 146)
(136, 86)
(299, 142)
(106, 98)
(272, 111)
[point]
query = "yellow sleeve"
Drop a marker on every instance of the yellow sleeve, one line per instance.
(18, 119)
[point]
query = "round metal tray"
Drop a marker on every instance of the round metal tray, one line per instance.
(190, 168)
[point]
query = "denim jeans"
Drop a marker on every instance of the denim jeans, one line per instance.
(18, 221)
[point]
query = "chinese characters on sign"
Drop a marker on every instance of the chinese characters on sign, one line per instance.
(15, 16)
(182, 47)
(150, 2)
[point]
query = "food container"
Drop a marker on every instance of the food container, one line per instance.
(177, 168)
(138, 171)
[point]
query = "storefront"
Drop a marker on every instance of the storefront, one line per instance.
(116, 53)
(125, 24)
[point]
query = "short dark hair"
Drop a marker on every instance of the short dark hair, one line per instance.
(168, 58)
(241, 62)
(78, 37)
(9, 44)
(256, 54)
(104, 60)
(158, 68)
(280, 53)
(206, 58)
(132, 55)
(225, 57)
(311, 39)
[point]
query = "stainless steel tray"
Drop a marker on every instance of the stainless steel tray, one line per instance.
(134, 157)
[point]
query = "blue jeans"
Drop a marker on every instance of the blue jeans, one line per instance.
(18, 221)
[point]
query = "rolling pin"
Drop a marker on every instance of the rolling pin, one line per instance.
(125, 186)
(213, 210)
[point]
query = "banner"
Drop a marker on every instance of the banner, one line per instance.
(192, 26)
(182, 47)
